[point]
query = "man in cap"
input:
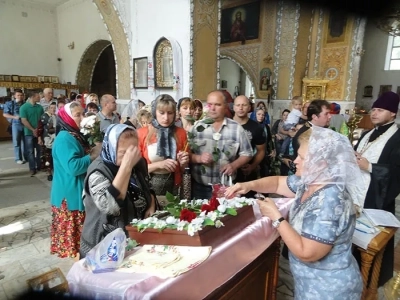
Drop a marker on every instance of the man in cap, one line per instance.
(378, 156)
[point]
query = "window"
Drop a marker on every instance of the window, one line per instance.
(393, 54)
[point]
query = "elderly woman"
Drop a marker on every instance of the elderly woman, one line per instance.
(117, 187)
(185, 109)
(198, 109)
(322, 218)
(71, 159)
(164, 146)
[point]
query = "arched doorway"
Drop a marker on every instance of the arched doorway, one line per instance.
(97, 67)
(234, 79)
(104, 74)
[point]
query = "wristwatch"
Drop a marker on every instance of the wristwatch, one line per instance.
(278, 222)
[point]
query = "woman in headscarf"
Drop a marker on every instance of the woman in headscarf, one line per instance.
(261, 105)
(198, 109)
(322, 218)
(185, 110)
(165, 148)
(129, 114)
(117, 187)
(71, 158)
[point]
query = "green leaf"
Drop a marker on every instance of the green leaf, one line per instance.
(227, 153)
(170, 197)
(200, 128)
(203, 169)
(191, 135)
(171, 205)
(231, 211)
(208, 121)
(190, 119)
(131, 244)
(215, 156)
(208, 222)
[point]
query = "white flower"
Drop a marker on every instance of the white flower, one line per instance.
(170, 220)
(160, 224)
(198, 202)
(85, 131)
(219, 224)
(212, 215)
(250, 201)
(203, 214)
(193, 228)
(238, 205)
(197, 221)
(135, 221)
(216, 136)
(147, 221)
(221, 208)
(206, 108)
(181, 224)
(88, 122)
(183, 201)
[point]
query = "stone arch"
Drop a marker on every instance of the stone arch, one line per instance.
(119, 40)
(245, 70)
(87, 63)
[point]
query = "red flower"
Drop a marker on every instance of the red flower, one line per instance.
(207, 208)
(187, 215)
(214, 203)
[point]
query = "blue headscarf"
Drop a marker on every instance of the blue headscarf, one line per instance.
(110, 142)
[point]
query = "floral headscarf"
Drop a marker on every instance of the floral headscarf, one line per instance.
(110, 143)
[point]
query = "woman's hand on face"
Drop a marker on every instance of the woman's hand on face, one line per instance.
(168, 164)
(268, 209)
(131, 157)
(183, 158)
(238, 188)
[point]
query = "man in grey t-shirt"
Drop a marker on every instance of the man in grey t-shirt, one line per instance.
(107, 115)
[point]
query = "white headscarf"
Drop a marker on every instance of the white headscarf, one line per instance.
(331, 160)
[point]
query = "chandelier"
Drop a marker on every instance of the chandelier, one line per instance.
(390, 23)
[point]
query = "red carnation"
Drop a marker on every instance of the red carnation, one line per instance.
(214, 203)
(207, 208)
(187, 215)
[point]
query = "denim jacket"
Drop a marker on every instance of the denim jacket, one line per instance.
(12, 108)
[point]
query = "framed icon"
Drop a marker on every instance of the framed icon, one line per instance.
(54, 79)
(15, 78)
(140, 73)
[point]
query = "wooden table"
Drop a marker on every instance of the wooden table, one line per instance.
(372, 257)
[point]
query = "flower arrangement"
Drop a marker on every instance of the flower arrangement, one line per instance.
(193, 215)
(90, 128)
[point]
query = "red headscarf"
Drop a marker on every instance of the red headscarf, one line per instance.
(65, 114)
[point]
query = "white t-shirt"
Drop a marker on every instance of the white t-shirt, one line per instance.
(293, 117)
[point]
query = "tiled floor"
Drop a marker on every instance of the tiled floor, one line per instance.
(24, 230)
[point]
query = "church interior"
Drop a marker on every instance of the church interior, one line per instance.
(267, 50)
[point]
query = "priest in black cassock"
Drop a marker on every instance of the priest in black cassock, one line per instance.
(378, 153)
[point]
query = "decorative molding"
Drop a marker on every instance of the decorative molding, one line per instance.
(120, 46)
(309, 41)
(294, 49)
(335, 57)
(357, 59)
(352, 59)
(277, 48)
(318, 42)
(247, 57)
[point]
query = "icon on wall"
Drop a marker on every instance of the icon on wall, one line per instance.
(384, 89)
(368, 91)
(224, 84)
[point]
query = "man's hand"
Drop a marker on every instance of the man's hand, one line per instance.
(228, 169)
(247, 169)
(40, 141)
(34, 132)
(363, 163)
(206, 158)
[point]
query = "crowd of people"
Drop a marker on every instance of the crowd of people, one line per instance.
(147, 148)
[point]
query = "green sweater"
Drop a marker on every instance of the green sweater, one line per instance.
(70, 166)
